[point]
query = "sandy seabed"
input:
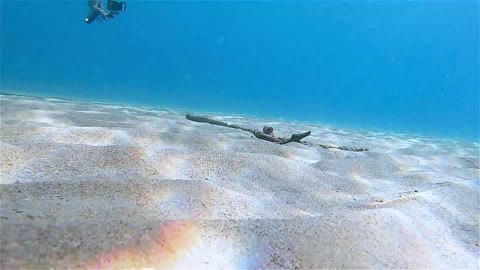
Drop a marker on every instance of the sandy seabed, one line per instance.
(99, 186)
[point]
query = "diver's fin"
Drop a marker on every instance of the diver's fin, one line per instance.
(115, 6)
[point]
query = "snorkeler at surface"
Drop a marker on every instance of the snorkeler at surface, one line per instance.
(97, 10)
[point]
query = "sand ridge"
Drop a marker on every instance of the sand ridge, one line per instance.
(103, 186)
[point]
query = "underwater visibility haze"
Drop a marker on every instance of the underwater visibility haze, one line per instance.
(240, 135)
(407, 66)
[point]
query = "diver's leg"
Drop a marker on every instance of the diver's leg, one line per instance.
(101, 10)
(92, 3)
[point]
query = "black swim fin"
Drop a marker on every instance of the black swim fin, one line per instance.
(114, 6)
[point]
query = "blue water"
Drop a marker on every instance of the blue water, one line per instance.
(409, 66)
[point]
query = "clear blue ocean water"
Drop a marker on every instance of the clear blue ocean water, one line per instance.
(402, 66)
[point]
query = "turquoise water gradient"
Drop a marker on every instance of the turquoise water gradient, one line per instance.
(410, 66)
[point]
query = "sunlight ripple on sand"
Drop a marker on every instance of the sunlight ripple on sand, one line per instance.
(105, 186)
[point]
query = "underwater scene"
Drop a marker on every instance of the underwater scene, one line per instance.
(239, 134)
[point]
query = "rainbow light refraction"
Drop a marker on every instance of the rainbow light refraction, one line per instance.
(178, 245)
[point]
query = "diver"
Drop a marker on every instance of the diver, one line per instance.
(97, 10)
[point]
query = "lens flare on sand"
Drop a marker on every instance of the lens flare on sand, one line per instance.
(177, 245)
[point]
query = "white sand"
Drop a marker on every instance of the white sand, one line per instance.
(106, 186)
